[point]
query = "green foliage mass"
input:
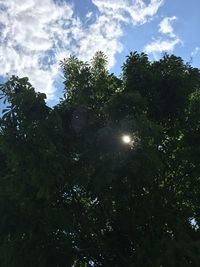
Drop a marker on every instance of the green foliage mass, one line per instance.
(72, 193)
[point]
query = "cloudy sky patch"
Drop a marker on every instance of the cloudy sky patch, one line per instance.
(35, 35)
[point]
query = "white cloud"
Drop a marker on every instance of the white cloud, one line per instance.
(89, 15)
(128, 10)
(165, 26)
(35, 35)
(145, 11)
(195, 51)
(29, 29)
(165, 43)
(162, 45)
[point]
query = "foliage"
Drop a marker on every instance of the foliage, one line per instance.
(73, 194)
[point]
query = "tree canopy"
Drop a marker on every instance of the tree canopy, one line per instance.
(73, 193)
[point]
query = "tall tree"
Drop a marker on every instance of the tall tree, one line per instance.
(73, 193)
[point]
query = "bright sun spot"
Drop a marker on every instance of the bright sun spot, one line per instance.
(126, 139)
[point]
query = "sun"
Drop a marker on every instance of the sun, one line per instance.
(126, 139)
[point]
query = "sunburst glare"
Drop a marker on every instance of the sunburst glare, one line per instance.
(126, 139)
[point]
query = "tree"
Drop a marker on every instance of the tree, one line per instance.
(74, 194)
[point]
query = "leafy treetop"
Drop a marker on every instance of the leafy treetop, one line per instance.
(73, 194)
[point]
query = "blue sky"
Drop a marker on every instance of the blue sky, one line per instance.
(36, 34)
